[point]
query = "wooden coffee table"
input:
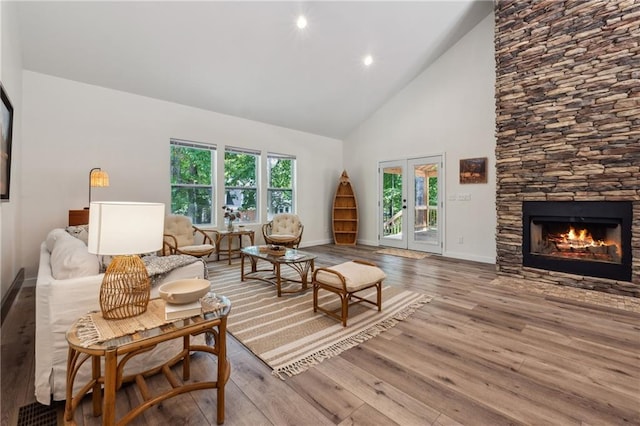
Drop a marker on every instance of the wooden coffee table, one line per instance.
(299, 261)
(128, 346)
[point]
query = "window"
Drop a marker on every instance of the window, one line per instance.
(280, 171)
(241, 182)
(192, 180)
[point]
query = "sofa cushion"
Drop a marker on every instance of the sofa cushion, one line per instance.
(180, 227)
(71, 259)
(197, 249)
(356, 275)
(285, 224)
(281, 237)
(54, 235)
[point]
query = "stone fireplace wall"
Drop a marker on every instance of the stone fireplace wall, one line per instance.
(567, 119)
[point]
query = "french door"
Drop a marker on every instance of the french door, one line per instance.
(410, 203)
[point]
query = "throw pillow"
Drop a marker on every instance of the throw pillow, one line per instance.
(54, 235)
(70, 259)
(81, 232)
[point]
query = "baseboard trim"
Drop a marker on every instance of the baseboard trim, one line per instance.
(7, 301)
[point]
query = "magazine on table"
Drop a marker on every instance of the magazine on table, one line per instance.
(293, 256)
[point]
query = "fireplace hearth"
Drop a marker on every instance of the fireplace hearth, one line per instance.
(587, 238)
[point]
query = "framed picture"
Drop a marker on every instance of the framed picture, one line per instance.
(6, 122)
(473, 170)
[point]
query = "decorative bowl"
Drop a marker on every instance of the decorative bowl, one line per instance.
(184, 291)
(276, 250)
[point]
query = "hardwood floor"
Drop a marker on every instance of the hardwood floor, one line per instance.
(477, 354)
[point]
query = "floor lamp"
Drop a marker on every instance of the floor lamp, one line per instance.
(125, 230)
(97, 178)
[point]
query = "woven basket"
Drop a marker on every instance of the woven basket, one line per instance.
(125, 288)
(276, 252)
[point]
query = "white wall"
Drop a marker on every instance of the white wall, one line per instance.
(11, 77)
(70, 127)
(448, 109)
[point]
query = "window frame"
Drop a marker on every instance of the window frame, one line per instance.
(212, 148)
(245, 218)
(270, 189)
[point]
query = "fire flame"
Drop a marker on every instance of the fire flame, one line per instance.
(580, 238)
(578, 243)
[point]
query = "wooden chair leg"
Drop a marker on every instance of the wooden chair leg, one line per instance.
(379, 287)
(345, 308)
(315, 297)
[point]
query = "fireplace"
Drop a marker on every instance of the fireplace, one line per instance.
(589, 238)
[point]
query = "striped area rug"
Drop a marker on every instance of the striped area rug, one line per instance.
(288, 336)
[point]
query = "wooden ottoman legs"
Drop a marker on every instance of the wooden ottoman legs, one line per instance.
(345, 280)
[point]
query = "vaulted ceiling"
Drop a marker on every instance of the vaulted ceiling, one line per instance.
(249, 59)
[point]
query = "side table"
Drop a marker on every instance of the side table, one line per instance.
(128, 346)
(78, 217)
(229, 236)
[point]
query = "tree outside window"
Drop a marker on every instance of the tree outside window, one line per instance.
(192, 182)
(280, 190)
(391, 194)
(241, 183)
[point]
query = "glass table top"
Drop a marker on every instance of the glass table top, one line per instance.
(290, 255)
(214, 307)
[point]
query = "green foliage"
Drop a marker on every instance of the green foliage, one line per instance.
(191, 182)
(280, 172)
(433, 191)
(240, 169)
(193, 202)
(191, 192)
(391, 194)
(190, 166)
(281, 177)
(240, 172)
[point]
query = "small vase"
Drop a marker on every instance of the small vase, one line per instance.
(230, 225)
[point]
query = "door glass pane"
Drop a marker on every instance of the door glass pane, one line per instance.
(392, 202)
(425, 227)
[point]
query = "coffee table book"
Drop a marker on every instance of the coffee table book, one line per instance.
(174, 311)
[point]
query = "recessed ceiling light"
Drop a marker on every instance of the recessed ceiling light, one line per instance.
(368, 60)
(301, 22)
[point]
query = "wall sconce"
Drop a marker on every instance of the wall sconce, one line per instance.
(97, 178)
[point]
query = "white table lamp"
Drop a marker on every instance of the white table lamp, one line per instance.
(125, 230)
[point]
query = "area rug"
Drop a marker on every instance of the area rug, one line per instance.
(289, 337)
(403, 253)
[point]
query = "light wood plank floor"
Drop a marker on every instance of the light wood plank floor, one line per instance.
(478, 354)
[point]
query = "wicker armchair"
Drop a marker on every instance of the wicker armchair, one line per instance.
(285, 230)
(180, 238)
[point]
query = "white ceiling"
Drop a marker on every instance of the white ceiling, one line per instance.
(248, 59)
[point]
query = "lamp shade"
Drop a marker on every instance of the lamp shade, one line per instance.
(123, 228)
(98, 178)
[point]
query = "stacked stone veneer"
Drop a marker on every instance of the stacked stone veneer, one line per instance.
(567, 118)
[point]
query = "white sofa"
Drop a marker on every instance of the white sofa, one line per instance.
(67, 287)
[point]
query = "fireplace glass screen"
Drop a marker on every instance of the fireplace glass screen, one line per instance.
(597, 242)
(590, 238)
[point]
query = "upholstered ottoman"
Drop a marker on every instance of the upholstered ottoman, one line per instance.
(345, 280)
